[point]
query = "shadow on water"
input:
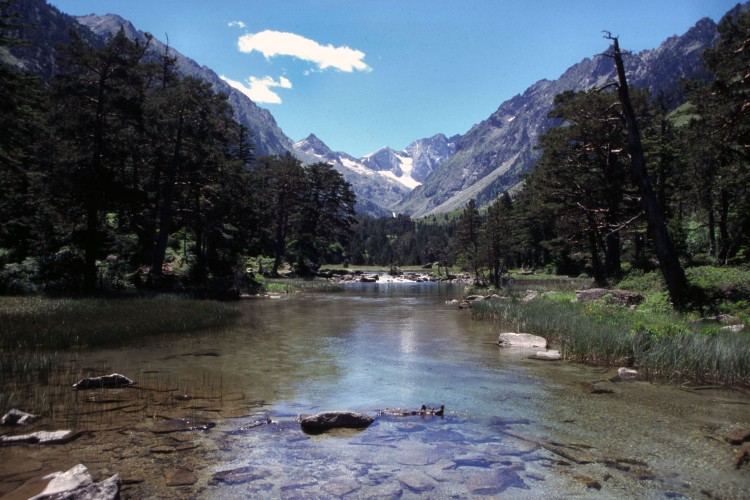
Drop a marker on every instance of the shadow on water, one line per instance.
(513, 427)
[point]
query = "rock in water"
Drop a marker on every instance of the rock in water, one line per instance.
(17, 417)
(550, 355)
(77, 483)
(526, 340)
(626, 373)
(105, 381)
(322, 422)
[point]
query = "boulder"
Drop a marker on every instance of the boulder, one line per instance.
(321, 422)
(622, 297)
(525, 340)
(17, 417)
(550, 355)
(113, 380)
(530, 295)
(77, 483)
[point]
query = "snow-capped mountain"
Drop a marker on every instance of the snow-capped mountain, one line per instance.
(412, 165)
(385, 176)
(377, 192)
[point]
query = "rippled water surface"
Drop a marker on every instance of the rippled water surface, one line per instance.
(513, 427)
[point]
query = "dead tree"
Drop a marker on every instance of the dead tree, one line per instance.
(670, 266)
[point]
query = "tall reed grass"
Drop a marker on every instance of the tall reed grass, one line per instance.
(662, 345)
(49, 324)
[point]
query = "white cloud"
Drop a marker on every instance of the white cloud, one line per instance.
(277, 43)
(237, 24)
(259, 89)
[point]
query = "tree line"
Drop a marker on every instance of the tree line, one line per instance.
(120, 171)
(581, 209)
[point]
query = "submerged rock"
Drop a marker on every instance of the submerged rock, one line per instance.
(738, 436)
(77, 483)
(17, 417)
(113, 380)
(526, 340)
(322, 422)
(590, 388)
(182, 425)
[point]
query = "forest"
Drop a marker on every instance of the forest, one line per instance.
(120, 173)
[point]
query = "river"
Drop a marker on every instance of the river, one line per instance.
(513, 427)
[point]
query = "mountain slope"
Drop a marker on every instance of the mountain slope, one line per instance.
(493, 154)
(267, 136)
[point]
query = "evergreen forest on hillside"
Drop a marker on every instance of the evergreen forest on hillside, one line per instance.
(120, 173)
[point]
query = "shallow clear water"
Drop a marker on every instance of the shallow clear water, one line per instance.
(513, 427)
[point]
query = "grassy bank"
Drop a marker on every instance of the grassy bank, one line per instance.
(656, 341)
(51, 324)
(295, 285)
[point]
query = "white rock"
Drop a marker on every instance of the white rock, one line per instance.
(626, 373)
(526, 340)
(550, 355)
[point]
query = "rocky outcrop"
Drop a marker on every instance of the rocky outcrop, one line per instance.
(524, 340)
(321, 422)
(113, 380)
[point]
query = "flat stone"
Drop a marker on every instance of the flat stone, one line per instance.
(181, 425)
(16, 467)
(239, 475)
(494, 482)
(180, 477)
(417, 482)
(105, 381)
(550, 355)
(41, 437)
(527, 340)
(587, 481)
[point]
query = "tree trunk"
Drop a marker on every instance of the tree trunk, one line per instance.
(674, 275)
(165, 214)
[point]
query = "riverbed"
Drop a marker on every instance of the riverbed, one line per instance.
(513, 427)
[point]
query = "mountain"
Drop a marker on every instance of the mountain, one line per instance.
(413, 165)
(386, 176)
(377, 191)
(267, 136)
(493, 154)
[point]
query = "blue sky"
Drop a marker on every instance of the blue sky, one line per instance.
(362, 74)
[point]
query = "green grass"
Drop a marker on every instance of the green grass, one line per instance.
(51, 324)
(658, 342)
(295, 285)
